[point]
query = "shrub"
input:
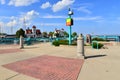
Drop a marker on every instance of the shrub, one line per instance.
(99, 45)
(56, 43)
(64, 42)
(98, 39)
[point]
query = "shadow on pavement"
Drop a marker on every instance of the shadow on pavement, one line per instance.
(94, 56)
(29, 47)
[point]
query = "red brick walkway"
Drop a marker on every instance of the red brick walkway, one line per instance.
(48, 67)
(3, 51)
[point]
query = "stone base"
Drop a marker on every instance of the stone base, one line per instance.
(80, 56)
(21, 47)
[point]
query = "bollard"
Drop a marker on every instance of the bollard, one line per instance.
(80, 46)
(21, 42)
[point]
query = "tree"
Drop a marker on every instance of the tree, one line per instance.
(44, 34)
(20, 32)
(74, 34)
(57, 34)
(51, 34)
(66, 34)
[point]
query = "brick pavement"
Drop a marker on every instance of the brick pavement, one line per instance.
(48, 67)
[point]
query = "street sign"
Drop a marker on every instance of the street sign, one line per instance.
(69, 22)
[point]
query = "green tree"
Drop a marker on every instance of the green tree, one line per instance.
(57, 34)
(44, 34)
(51, 34)
(20, 32)
(74, 34)
(66, 34)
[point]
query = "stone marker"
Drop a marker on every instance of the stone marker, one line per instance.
(80, 47)
(21, 42)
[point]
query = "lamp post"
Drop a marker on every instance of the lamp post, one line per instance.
(69, 22)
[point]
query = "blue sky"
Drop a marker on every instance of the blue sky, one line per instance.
(90, 16)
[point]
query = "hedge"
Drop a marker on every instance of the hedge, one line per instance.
(99, 45)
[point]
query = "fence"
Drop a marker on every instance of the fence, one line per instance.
(28, 41)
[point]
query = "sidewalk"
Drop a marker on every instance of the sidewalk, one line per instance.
(101, 64)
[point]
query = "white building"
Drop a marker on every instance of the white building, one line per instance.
(33, 32)
(60, 32)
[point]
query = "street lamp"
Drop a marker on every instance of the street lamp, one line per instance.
(70, 12)
(69, 22)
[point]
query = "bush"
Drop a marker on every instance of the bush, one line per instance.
(99, 45)
(98, 39)
(64, 42)
(56, 43)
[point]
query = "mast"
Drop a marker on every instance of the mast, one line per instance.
(24, 24)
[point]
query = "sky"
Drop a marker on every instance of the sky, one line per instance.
(90, 16)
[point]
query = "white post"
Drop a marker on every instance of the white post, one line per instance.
(21, 42)
(80, 47)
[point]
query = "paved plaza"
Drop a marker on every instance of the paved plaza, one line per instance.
(48, 67)
(100, 64)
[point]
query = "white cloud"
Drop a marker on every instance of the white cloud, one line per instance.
(29, 15)
(2, 1)
(62, 4)
(11, 23)
(18, 21)
(96, 18)
(51, 24)
(32, 13)
(22, 2)
(7, 23)
(46, 5)
(84, 9)
(1, 24)
(52, 16)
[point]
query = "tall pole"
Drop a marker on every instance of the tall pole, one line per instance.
(70, 28)
(24, 21)
(12, 27)
(70, 42)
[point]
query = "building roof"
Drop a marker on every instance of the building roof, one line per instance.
(38, 31)
(28, 31)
